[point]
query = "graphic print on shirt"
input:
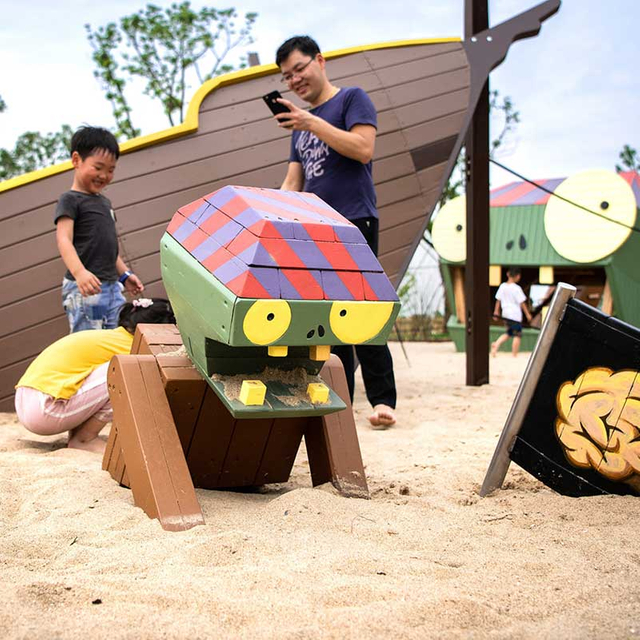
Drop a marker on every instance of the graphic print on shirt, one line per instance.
(313, 153)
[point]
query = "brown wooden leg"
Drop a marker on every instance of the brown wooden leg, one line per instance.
(332, 441)
(113, 459)
(117, 467)
(111, 451)
(155, 463)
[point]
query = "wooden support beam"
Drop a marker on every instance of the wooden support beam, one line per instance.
(155, 463)
(477, 266)
(332, 441)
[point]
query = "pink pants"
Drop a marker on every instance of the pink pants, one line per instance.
(44, 415)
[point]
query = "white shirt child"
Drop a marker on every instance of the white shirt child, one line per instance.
(511, 296)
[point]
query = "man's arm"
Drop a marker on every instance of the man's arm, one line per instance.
(132, 284)
(358, 143)
(88, 283)
(294, 180)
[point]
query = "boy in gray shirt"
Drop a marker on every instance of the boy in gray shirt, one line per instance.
(87, 239)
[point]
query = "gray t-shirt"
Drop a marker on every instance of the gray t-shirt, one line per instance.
(94, 232)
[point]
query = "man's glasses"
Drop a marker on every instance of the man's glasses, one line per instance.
(296, 71)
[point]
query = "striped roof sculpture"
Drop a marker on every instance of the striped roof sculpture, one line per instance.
(521, 193)
(263, 280)
(266, 243)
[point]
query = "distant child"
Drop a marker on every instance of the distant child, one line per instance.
(513, 302)
(87, 239)
(65, 387)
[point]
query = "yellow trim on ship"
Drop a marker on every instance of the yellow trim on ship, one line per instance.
(190, 123)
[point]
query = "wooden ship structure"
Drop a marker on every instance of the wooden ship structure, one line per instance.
(425, 92)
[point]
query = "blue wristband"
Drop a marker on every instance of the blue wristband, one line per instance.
(124, 276)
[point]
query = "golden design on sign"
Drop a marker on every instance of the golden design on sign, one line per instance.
(598, 423)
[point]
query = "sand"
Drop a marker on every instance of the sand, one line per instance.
(424, 558)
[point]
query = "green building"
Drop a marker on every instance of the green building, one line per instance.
(594, 246)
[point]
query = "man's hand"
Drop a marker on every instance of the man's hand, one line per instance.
(297, 119)
(133, 284)
(88, 284)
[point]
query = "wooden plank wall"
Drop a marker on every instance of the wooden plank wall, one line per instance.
(421, 95)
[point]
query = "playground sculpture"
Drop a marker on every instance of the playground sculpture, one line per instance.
(262, 283)
(575, 421)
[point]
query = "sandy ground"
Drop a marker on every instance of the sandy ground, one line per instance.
(425, 557)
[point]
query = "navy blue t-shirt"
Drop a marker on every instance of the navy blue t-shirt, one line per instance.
(343, 183)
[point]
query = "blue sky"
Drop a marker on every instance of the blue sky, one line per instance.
(575, 85)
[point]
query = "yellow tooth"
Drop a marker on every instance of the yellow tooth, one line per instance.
(252, 392)
(320, 352)
(278, 351)
(318, 393)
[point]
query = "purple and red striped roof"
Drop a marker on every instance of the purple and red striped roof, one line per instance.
(267, 243)
(522, 193)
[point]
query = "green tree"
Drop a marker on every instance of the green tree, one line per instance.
(164, 48)
(34, 150)
(629, 158)
(3, 105)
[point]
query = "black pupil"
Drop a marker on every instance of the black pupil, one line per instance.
(604, 205)
(343, 313)
(270, 317)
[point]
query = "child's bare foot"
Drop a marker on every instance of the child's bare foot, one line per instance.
(85, 436)
(494, 349)
(382, 417)
(97, 445)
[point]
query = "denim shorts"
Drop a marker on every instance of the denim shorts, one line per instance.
(514, 328)
(99, 311)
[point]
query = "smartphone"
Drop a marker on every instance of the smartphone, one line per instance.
(271, 101)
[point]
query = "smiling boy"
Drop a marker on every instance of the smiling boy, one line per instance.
(87, 239)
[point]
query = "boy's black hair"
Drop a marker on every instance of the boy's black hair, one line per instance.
(87, 140)
(303, 44)
(158, 312)
(514, 271)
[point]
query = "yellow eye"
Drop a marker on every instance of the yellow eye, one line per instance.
(449, 230)
(357, 322)
(580, 236)
(266, 321)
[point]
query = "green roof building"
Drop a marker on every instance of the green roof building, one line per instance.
(587, 236)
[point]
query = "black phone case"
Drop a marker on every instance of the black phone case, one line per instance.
(275, 107)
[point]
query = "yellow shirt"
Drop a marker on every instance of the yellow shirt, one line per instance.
(61, 368)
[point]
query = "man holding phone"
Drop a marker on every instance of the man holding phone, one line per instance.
(332, 148)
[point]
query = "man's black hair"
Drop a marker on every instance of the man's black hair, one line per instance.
(303, 44)
(159, 312)
(87, 140)
(514, 271)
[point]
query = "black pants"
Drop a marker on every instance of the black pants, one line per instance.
(376, 361)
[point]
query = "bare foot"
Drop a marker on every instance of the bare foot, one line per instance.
(494, 349)
(97, 445)
(382, 417)
(85, 436)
